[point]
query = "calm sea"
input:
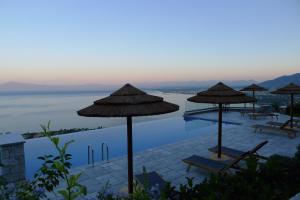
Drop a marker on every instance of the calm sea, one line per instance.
(26, 111)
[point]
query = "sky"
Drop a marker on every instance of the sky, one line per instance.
(116, 41)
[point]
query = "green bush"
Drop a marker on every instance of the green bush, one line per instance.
(275, 106)
(296, 109)
(48, 177)
(278, 178)
(56, 168)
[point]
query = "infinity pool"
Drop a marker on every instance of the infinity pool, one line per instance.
(146, 135)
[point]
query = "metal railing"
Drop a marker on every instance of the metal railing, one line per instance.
(104, 146)
(91, 155)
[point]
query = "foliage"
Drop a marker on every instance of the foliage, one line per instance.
(275, 106)
(5, 191)
(105, 194)
(29, 191)
(278, 178)
(30, 135)
(55, 168)
(139, 193)
(48, 177)
(296, 109)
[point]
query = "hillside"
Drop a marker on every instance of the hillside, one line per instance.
(281, 81)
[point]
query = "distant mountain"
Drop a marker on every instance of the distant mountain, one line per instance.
(167, 85)
(281, 81)
(18, 86)
(192, 84)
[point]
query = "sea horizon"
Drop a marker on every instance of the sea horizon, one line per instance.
(25, 111)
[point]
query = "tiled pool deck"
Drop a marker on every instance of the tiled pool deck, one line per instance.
(167, 159)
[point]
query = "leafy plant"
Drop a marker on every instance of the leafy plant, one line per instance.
(105, 194)
(5, 191)
(55, 168)
(29, 191)
(275, 106)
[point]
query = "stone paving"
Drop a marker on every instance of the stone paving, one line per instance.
(167, 159)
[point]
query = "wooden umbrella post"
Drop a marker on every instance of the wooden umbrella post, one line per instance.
(220, 131)
(253, 88)
(129, 156)
(291, 110)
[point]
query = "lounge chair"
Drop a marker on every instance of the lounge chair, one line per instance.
(213, 165)
(292, 133)
(245, 111)
(150, 180)
(234, 153)
(263, 111)
(283, 125)
(255, 115)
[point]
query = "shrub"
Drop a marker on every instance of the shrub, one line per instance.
(47, 178)
(56, 168)
(296, 109)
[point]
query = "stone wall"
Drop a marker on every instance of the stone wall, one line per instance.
(12, 158)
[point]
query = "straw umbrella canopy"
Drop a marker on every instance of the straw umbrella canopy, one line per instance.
(290, 89)
(128, 102)
(254, 88)
(221, 94)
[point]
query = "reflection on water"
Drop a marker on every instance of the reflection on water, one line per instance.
(26, 111)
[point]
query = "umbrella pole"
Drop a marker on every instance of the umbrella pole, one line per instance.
(253, 95)
(129, 154)
(291, 109)
(220, 131)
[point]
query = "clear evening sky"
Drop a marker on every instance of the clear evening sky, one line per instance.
(94, 41)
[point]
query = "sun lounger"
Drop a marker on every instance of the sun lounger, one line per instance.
(245, 111)
(213, 165)
(150, 180)
(277, 124)
(234, 153)
(255, 115)
(282, 125)
(292, 133)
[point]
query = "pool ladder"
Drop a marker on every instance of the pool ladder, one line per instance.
(91, 159)
(103, 147)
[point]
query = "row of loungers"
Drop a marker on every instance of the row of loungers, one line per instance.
(154, 180)
(278, 127)
(222, 166)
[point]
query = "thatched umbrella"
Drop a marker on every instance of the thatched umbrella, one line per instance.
(221, 94)
(289, 89)
(128, 102)
(253, 88)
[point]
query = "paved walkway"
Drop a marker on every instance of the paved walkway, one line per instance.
(167, 159)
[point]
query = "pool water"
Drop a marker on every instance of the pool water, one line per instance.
(146, 135)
